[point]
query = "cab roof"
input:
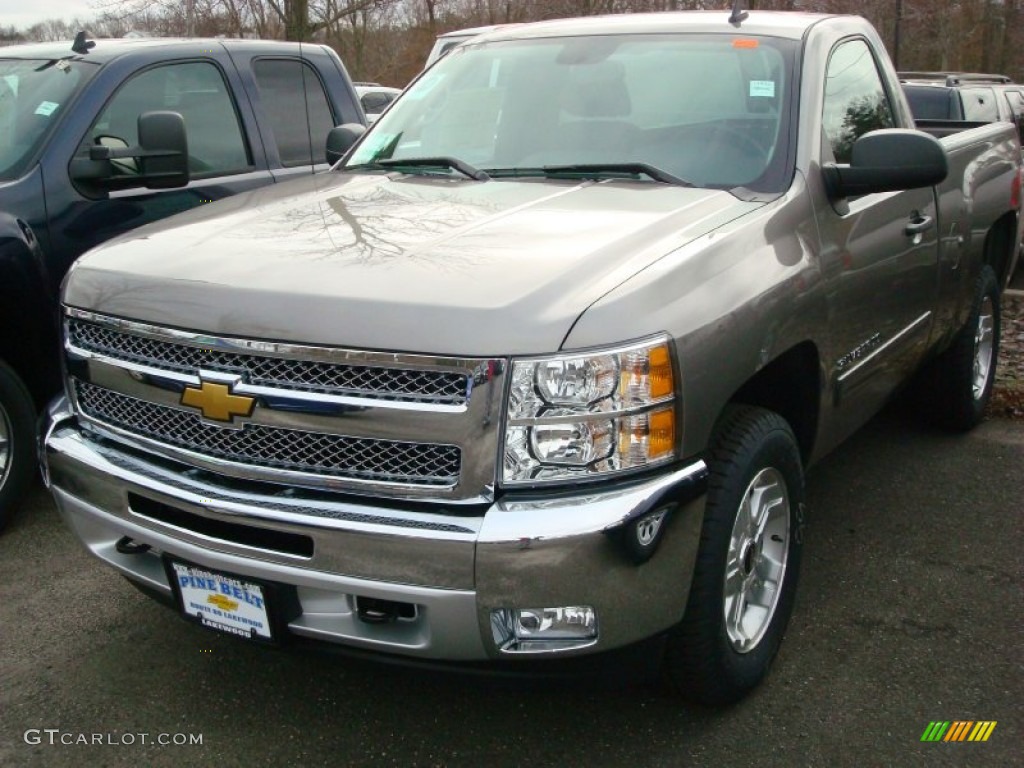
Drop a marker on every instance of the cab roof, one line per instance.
(791, 25)
(107, 49)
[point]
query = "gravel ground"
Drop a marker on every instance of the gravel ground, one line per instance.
(1008, 397)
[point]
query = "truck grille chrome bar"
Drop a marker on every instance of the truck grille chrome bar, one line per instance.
(289, 449)
(400, 384)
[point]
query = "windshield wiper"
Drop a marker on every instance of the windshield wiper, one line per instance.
(594, 170)
(423, 162)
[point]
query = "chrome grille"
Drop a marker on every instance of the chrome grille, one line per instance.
(397, 384)
(289, 449)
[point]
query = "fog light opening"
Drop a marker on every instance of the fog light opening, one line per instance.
(544, 630)
(372, 610)
(127, 546)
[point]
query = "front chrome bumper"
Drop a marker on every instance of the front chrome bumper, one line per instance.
(455, 565)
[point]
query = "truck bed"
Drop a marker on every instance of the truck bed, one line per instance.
(942, 128)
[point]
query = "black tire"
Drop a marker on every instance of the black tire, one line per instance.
(954, 399)
(706, 663)
(17, 441)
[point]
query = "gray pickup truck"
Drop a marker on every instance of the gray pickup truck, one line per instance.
(536, 371)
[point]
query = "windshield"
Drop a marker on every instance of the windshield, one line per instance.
(33, 95)
(711, 110)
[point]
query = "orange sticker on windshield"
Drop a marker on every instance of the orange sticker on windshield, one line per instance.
(744, 43)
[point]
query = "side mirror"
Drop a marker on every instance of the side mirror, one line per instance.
(340, 140)
(163, 163)
(888, 160)
(160, 161)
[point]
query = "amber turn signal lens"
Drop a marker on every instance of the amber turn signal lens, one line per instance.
(660, 372)
(647, 437)
(661, 431)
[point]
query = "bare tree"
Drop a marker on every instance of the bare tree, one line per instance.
(388, 40)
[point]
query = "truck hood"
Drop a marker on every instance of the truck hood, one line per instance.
(404, 263)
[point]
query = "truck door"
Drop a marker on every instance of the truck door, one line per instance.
(879, 251)
(221, 159)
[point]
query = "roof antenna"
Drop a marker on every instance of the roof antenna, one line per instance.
(738, 16)
(81, 45)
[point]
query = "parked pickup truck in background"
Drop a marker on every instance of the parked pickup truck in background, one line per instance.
(448, 40)
(537, 371)
(71, 174)
(944, 102)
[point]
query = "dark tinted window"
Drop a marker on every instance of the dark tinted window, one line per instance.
(216, 144)
(855, 100)
(980, 104)
(297, 107)
(928, 103)
(376, 101)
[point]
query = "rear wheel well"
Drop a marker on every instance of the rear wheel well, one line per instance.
(999, 245)
(790, 385)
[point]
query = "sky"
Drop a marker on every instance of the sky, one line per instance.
(25, 13)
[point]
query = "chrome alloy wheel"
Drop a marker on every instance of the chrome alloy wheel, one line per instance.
(756, 563)
(6, 447)
(983, 342)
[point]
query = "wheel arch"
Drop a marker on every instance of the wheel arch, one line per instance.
(1001, 246)
(791, 386)
(28, 326)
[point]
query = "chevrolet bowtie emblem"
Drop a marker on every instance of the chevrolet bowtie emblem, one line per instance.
(222, 602)
(216, 401)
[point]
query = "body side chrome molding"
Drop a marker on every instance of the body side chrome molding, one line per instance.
(882, 348)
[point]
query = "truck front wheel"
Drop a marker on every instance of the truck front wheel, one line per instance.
(17, 441)
(745, 579)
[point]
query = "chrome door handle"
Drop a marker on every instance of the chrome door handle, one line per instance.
(917, 225)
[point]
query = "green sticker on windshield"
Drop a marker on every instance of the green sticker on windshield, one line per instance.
(762, 88)
(374, 144)
(47, 108)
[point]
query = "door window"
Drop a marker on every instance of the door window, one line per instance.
(855, 99)
(297, 108)
(196, 90)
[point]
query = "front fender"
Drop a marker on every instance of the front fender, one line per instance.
(29, 335)
(733, 301)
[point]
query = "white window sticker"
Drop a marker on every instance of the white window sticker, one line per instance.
(47, 108)
(764, 89)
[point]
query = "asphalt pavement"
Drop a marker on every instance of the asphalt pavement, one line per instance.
(909, 612)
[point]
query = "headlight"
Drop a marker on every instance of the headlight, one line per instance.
(580, 416)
